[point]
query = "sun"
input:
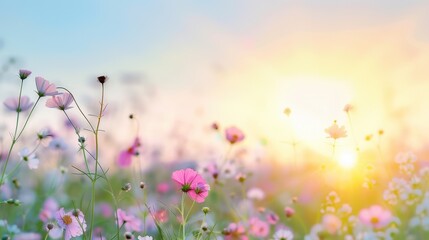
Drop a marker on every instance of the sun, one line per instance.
(347, 159)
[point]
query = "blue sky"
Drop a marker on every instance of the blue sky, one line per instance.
(76, 39)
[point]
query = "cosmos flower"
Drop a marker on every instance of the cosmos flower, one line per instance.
(331, 223)
(161, 216)
(347, 108)
(130, 222)
(272, 218)
(191, 183)
(45, 88)
(335, 132)
(283, 234)
(258, 228)
(255, 194)
(375, 216)
(23, 73)
(29, 157)
(61, 101)
(72, 222)
(234, 135)
(289, 212)
(13, 104)
(125, 156)
(50, 206)
(235, 231)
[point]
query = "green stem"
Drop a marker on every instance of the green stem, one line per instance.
(28, 118)
(182, 209)
(18, 111)
(96, 131)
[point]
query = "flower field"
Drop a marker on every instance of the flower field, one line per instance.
(75, 183)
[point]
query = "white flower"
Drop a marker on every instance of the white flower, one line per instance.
(144, 238)
(283, 234)
(29, 157)
(255, 194)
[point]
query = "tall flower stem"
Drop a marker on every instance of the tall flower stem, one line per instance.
(18, 111)
(97, 155)
(182, 210)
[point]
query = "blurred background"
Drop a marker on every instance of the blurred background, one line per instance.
(181, 65)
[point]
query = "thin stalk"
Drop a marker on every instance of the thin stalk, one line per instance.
(96, 131)
(18, 111)
(28, 118)
(182, 210)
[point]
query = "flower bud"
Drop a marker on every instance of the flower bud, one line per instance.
(23, 73)
(205, 210)
(102, 79)
(126, 187)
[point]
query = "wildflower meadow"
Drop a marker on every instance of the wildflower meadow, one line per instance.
(286, 132)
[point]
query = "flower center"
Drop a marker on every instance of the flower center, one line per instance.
(374, 220)
(67, 219)
(186, 188)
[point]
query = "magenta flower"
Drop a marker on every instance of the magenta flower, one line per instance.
(130, 222)
(13, 104)
(72, 222)
(191, 183)
(234, 135)
(23, 73)
(61, 101)
(162, 188)
(200, 192)
(45, 88)
(375, 216)
(125, 156)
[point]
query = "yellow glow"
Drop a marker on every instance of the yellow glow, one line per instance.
(347, 159)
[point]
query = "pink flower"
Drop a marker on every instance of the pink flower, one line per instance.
(335, 132)
(162, 188)
(105, 209)
(49, 208)
(192, 184)
(331, 223)
(130, 222)
(258, 228)
(235, 231)
(23, 73)
(375, 216)
(61, 101)
(72, 222)
(45, 88)
(234, 135)
(272, 218)
(125, 156)
(161, 216)
(347, 108)
(13, 104)
(289, 212)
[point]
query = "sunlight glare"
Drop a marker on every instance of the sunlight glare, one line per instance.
(347, 159)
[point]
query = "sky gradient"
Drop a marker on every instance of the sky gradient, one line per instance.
(238, 62)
